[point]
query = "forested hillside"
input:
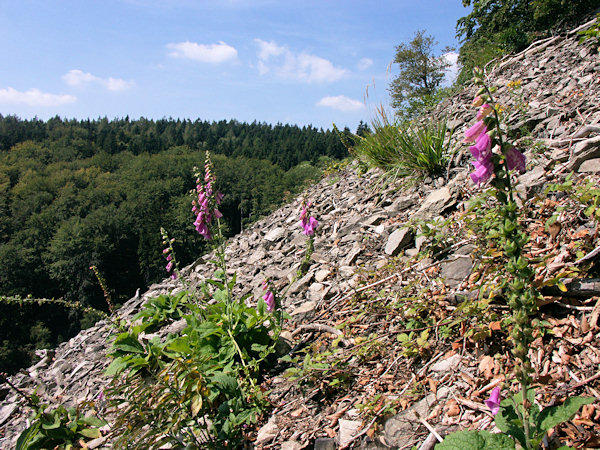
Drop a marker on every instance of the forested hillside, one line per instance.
(81, 193)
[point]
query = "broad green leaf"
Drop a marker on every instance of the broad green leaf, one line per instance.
(476, 440)
(128, 343)
(91, 433)
(115, 367)
(55, 424)
(180, 345)
(554, 415)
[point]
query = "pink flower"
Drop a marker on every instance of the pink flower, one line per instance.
(515, 159)
(494, 401)
(309, 224)
(269, 299)
(482, 150)
(484, 111)
(169, 266)
(475, 131)
(483, 171)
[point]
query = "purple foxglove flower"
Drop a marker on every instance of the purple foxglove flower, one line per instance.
(482, 150)
(311, 226)
(174, 276)
(483, 171)
(169, 266)
(484, 111)
(515, 159)
(269, 299)
(494, 401)
(473, 133)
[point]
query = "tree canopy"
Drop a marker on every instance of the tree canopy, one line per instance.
(414, 89)
(79, 193)
(497, 27)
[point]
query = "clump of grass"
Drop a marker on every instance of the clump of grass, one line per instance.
(405, 149)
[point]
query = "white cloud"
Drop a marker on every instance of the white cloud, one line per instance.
(452, 71)
(299, 66)
(268, 49)
(33, 97)
(208, 53)
(365, 63)
(77, 77)
(341, 103)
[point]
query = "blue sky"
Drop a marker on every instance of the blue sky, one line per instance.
(299, 62)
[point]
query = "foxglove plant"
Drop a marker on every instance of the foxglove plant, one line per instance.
(495, 161)
(309, 226)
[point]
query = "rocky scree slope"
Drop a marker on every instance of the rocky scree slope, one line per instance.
(372, 277)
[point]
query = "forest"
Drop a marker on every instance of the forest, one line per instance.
(76, 194)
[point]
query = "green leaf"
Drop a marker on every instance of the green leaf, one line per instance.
(91, 433)
(180, 345)
(128, 343)
(55, 424)
(554, 415)
(115, 367)
(476, 440)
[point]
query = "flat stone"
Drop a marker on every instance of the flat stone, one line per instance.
(591, 165)
(348, 429)
(275, 234)
(401, 430)
(398, 240)
(305, 310)
(454, 272)
(437, 202)
(447, 365)
(584, 150)
(325, 444)
(321, 275)
(267, 432)
(352, 255)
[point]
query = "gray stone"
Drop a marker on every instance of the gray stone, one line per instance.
(591, 165)
(398, 240)
(304, 311)
(436, 202)
(275, 234)
(454, 272)
(324, 444)
(352, 255)
(584, 150)
(447, 365)
(348, 429)
(401, 430)
(267, 432)
(290, 445)
(321, 275)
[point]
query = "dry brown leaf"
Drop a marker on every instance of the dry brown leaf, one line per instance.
(331, 433)
(495, 326)
(486, 366)
(433, 384)
(452, 407)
